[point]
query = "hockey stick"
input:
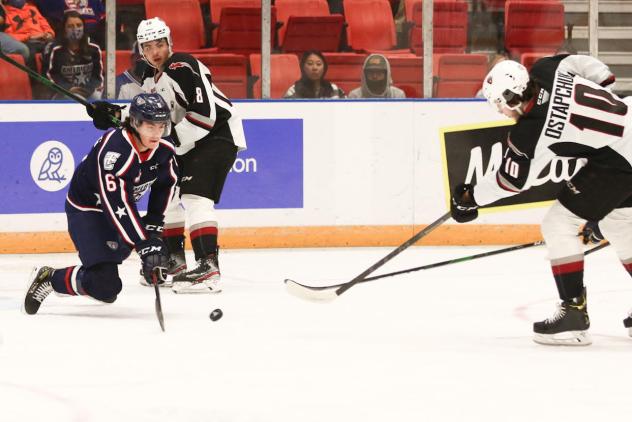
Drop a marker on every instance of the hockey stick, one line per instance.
(306, 292)
(429, 266)
(161, 318)
(52, 85)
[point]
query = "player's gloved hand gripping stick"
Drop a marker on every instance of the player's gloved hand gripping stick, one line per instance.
(102, 112)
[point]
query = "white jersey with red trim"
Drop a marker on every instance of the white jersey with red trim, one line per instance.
(199, 110)
(115, 175)
(569, 116)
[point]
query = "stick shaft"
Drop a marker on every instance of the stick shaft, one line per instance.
(394, 253)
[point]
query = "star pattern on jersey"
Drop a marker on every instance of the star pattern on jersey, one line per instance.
(82, 78)
(98, 199)
(120, 211)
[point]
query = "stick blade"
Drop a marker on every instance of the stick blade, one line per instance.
(310, 293)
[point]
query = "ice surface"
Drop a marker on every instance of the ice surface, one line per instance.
(447, 344)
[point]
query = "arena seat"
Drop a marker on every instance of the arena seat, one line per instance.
(370, 26)
(239, 30)
(322, 33)
(284, 71)
(218, 5)
(532, 26)
(287, 8)
(450, 27)
(14, 83)
(184, 18)
(345, 69)
(407, 74)
(122, 61)
(229, 72)
(459, 75)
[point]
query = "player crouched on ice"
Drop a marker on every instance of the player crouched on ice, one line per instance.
(103, 220)
(563, 107)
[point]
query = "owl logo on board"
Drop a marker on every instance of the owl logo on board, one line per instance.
(52, 165)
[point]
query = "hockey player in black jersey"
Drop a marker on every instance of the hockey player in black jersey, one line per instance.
(563, 107)
(207, 133)
(103, 221)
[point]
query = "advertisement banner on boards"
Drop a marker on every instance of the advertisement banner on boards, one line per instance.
(473, 151)
(41, 158)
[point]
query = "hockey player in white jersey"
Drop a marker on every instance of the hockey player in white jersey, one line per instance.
(563, 107)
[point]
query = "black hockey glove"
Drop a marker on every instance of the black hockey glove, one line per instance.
(463, 207)
(590, 233)
(153, 227)
(102, 113)
(155, 257)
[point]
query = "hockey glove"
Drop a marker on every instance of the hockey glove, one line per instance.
(463, 207)
(152, 227)
(590, 233)
(102, 113)
(153, 253)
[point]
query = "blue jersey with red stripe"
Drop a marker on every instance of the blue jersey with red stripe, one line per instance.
(115, 175)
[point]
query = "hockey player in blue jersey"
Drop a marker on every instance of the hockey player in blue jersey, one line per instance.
(103, 220)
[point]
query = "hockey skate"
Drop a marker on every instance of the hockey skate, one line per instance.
(627, 323)
(177, 265)
(205, 278)
(567, 327)
(38, 290)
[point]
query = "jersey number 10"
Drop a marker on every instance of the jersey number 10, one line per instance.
(600, 100)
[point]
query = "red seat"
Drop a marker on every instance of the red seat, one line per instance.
(320, 33)
(229, 72)
(407, 74)
(284, 71)
(122, 61)
(239, 30)
(218, 5)
(533, 26)
(287, 8)
(459, 75)
(528, 59)
(184, 18)
(142, 2)
(450, 27)
(370, 26)
(14, 83)
(345, 69)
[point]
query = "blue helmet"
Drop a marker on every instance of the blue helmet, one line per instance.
(149, 108)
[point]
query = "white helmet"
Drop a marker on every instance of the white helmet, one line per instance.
(504, 85)
(150, 30)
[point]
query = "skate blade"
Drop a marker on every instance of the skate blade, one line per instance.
(195, 289)
(569, 338)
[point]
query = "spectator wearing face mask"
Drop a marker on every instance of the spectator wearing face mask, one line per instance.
(75, 63)
(92, 12)
(25, 24)
(129, 83)
(8, 44)
(376, 80)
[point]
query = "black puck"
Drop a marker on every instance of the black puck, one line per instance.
(216, 314)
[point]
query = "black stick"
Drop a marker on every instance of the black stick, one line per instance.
(327, 292)
(52, 85)
(161, 318)
(393, 254)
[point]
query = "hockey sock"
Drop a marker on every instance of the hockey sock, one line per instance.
(569, 276)
(627, 264)
(204, 240)
(68, 280)
(174, 239)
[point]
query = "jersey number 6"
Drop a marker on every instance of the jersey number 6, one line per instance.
(110, 182)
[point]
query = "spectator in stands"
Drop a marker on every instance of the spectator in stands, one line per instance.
(26, 24)
(92, 12)
(8, 44)
(376, 80)
(75, 63)
(313, 83)
(129, 83)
